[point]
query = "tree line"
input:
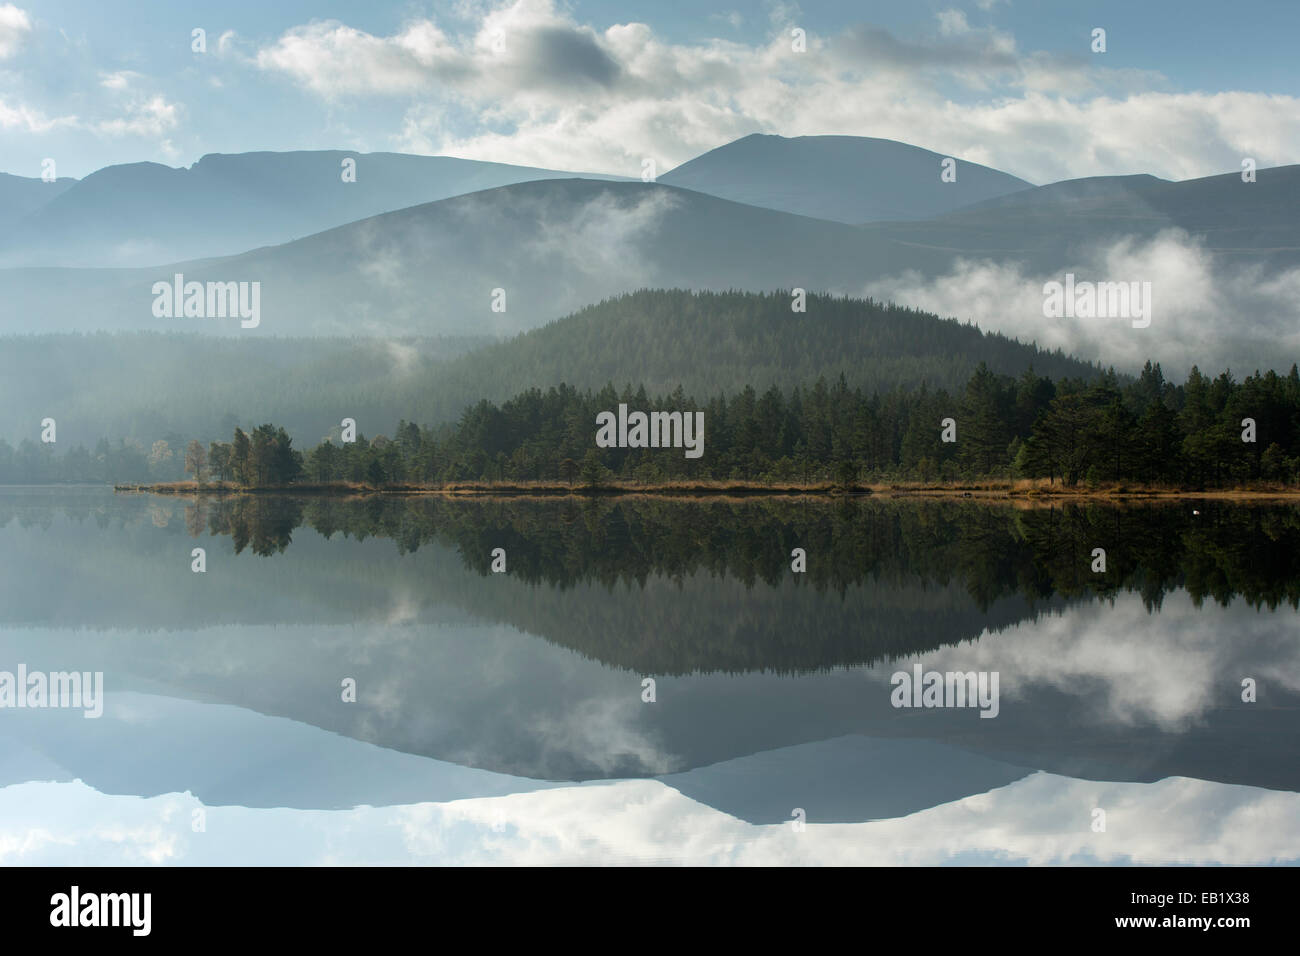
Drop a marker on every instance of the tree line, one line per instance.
(1205, 432)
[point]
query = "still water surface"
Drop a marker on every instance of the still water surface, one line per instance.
(499, 717)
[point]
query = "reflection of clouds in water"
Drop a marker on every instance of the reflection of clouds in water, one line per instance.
(1043, 819)
(1169, 669)
(403, 608)
(492, 696)
(603, 728)
(479, 690)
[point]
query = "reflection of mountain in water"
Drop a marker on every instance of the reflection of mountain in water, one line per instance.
(1137, 686)
(846, 779)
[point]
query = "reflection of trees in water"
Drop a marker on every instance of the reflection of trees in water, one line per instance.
(655, 585)
(264, 524)
(993, 551)
(706, 586)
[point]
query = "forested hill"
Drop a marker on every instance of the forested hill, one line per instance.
(150, 386)
(711, 342)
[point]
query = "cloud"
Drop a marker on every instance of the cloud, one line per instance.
(959, 47)
(118, 80)
(604, 237)
(1191, 290)
(150, 117)
(128, 111)
(1174, 678)
(523, 49)
(334, 59)
(526, 83)
(588, 250)
(608, 730)
(30, 120)
(563, 58)
(144, 115)
(14, 26)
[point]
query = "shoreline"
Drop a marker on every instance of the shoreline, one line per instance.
(1025, 492)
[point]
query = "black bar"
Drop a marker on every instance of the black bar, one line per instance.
(329, 905)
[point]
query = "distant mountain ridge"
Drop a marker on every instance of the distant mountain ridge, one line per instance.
(851, 179)
(1047, 227)
(550, 246)
(22, 195)
(144, 214)
(140, 214)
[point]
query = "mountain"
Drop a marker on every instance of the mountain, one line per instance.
(850, 179)
(506, 260)
(550, 246)
(20, 196)
(151, 385)
(1051, 227)
(140, 214)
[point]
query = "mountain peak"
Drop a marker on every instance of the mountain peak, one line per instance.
(851, 179)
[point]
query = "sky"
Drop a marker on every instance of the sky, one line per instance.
(1183, 89)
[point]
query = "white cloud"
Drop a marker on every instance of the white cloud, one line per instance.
(1192, 292)
(1172, 679)
(547, 90)
(151, 117)
(118, 80)
(334, 59)
(29, 120)
(14, 26)
(145, 116)
(603, 237)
